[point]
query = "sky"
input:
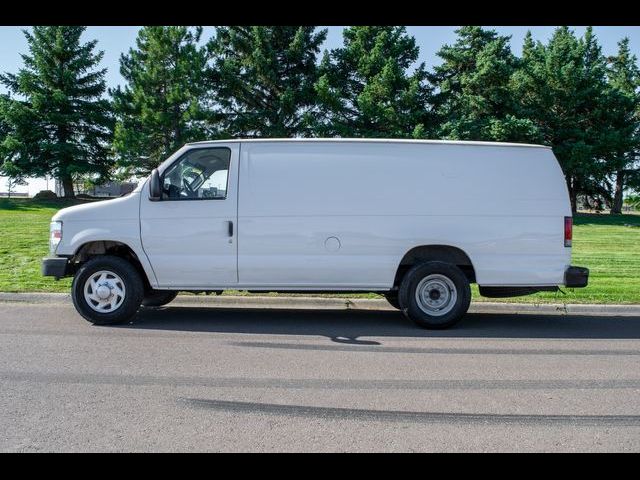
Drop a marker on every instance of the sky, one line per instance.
(115, 40)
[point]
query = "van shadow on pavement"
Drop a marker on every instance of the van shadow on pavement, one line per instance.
(347, 326)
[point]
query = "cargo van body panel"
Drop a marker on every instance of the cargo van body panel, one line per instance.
(341, 215)
(504, 207)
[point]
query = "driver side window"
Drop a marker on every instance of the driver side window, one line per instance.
(200, 174)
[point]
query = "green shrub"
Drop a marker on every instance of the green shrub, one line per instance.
(45, 195)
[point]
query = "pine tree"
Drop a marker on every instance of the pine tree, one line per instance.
(475, 99)
(528, 46)
(561, 86)
(624, 81)
(14, 174)
(366, 88)
(164, 102)
(5, 103)
(263, 78)
(4, 126)
(59, 124)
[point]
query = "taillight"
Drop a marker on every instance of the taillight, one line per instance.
(568, 231)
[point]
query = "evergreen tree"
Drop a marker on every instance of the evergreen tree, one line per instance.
(164, 102)
(607, 112)
(4, 126)
(263, 78)
(562, 87)
(366, 88)
(59, 124)
(475, 100)
(8, 169)
(5, 103)
(624, 80)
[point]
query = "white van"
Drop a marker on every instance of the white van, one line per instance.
(417, 221)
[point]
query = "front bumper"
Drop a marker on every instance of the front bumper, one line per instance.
(576, 277)
(57, 267)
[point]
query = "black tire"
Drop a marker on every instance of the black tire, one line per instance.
(158, 298)
(458, 307)
(392, 298)
(134, 290)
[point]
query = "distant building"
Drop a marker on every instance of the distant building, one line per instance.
(14, 194)
(110, 189)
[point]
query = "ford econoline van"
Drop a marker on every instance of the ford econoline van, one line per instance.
(416, 221)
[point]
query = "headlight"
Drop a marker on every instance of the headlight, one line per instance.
(55, 235)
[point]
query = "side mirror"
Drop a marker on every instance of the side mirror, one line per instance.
(155, 192)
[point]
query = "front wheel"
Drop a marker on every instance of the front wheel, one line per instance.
(107, 290)
(435, 295)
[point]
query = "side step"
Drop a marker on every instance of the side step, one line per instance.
(504, 292)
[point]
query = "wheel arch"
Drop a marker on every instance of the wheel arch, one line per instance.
(436, 252)
(117, 248)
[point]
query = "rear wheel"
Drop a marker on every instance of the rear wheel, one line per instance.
(107, 290)
(157, 298)
(435, 295)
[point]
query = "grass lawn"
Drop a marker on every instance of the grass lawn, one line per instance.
(609, 245)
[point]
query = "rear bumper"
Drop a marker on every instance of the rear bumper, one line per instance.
(576, 277)
(57, 267)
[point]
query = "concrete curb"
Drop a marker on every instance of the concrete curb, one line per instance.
(340, 303)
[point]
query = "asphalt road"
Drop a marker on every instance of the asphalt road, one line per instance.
(222, 379)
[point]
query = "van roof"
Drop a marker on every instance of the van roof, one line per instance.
(371, 140)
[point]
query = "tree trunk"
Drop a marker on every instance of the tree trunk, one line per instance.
(573, 195)
(616, 208)
(67, 186)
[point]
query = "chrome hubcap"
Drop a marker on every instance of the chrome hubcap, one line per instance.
(104, 291)
(436, 295)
